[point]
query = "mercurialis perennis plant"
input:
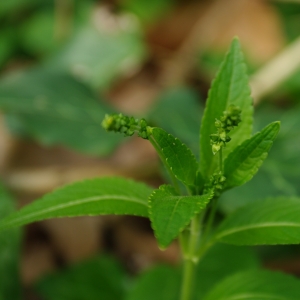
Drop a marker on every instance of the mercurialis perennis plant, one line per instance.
(184, 209)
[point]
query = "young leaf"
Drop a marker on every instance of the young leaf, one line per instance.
(243, 163)
(257, 285)
(229, 87)
(177, 156)
(170, 213)
(267, 222)
(90, 197)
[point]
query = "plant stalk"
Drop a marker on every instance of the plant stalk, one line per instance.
(191, 259)
(221, 161)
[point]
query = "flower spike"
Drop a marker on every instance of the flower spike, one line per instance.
(230, 119)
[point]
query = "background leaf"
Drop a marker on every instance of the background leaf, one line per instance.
(176, 155)
(159, 283)
(98, 278)
(279, 174)
(99, 55)
(213, 267)
(10, 285)
(170, 213)
(7, 7)
(163, 282)
(183, 110)
(148, 11)
(271, 221)
(90, 197)
(243, 163)
(56, 109)
(229, 87)
(256, 285)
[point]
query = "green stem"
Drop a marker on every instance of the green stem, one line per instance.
(191, 258)
(221, 161)
(160, 154)
(211, 218)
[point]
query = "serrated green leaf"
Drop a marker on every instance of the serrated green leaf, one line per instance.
(267, 222)
(54, 108)
(243, 163)
(10, 242)
(179, 159)
(280, 172)
(229, 87)
(256, 285)
(90, 197)
(159, 283)
(170, 213)
(98, 278)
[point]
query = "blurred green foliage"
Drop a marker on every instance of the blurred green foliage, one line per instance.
(60, 101)
(10, 242)
(98, 278)
(54, 108)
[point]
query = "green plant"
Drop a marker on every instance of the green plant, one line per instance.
(229, 157)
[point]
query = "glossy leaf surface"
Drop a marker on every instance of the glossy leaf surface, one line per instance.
(90, 197)
(267, 222)
(229, 87)
(55, 109)
(256, 285)
(243, 163)
(177, 156)
(170, 213)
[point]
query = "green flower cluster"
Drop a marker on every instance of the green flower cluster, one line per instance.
(230, 119)
(216, 182)
(126, 125)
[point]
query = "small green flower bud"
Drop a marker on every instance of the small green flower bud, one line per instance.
(218, 123)
(216, 148)
(107, 122)
(223, 136)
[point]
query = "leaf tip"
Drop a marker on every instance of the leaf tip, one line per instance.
(162, 247)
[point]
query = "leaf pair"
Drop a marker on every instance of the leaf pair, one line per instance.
(230, 87)
(244, 154)
(170, 212)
